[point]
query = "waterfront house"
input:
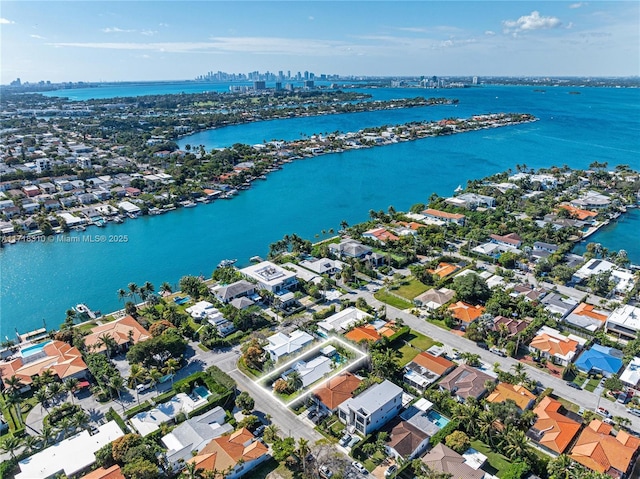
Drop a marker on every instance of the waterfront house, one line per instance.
(587, 317)
(599, 450)
(547, 247)
(342, 321)
(350, 248)
(236, 454)
(578, 213)
(193, 435)
(455, 218)
(61, 359)
(323, 266)
(553, 431)
(592, 200)
(129, 208)
(592, 267)
(600, 360)
(281, 344)
(71, 456)
(434, 298)
(550, 344)
(521, 396)
(226, 294)
(445, 460)
(270, 276)
(371, 409)
(465, 382)
(125, 332)
(381, 235)
(404, 441)
(624, 322)
(471, 201)
(631, 375)
(336, 391)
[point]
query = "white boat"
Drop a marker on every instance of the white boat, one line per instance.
(226, 262)
(84, 309)
(188, 204)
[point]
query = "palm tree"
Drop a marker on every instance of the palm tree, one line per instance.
(515, 444)
(192, 472)
(171, 366)
(165, 288)
(45, 435)
(485, 426)
(137, 375)
(117, 383)
(80, 420)
(294, 381)
(561, 467)
(271, 432)
(110, 344)
(54, 390)
(133, 290)
(70, 386)
(303, 451)
(470, 358)
(155, 376)
(42, 396)
(122, 294)
(14, 384)
(10, 444)
(15, 400)
(31, 443)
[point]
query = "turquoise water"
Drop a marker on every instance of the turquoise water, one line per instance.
(42, 280)
(201, 391)
(31, 350)
(437, 418)
(620, 234)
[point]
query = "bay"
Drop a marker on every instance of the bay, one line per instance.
(40, 281)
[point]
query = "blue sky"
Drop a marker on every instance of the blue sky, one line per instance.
(167, 40)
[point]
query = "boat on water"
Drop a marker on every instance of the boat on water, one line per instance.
(227, 262)
(118, 219)
(188, 204)
(256, 259)
(154, 211)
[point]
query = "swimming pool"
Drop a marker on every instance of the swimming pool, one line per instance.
(31, 350)
(437, 418)
(201, 391)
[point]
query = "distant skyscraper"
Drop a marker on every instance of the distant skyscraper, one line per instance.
(475, 80)
(259, 85)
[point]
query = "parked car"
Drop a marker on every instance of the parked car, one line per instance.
(581, 411)
(573, 385)
(345, 440)
(623, 398)
(325, 472)
(603, 412)
(143, 387)
(359, 467)
(497, 351)
(390, 470)
(259, 431)
(354, 440)
(635, 412)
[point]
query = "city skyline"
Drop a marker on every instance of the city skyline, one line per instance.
(175, 40)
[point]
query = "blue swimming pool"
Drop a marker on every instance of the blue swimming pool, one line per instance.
(437, 418)
(31, 350)
(201, 391)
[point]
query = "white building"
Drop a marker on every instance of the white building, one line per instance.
(624, 321)
(342, 321)
(70, 456)
(270, 276)
(631, 375)
(311, 371)
(371, 409)
(129, 208)
(281, 345)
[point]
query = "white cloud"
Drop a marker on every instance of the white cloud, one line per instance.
(413, 29)
(37, 37)
(531, 22)
(490, 33)
(163, 24)
(577, 5)
(148, 33)
(116, 30)
(5, 21)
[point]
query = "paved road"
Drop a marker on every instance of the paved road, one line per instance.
(583, 398)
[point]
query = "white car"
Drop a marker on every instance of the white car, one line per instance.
(359, 467)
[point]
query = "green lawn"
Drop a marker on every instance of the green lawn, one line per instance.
(372, 462)
(420, 341)
(592, 384)
(440, 323)
(407, 354)
(497, 461)
(410, 288)
(385, 297)
(568, 405)
(264, 469)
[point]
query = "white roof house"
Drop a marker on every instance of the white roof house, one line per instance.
(204, 310)
(70, 219)
(631, 375)
(281, 344)
(311, 371)
(269, 276)
(592, 267)
(194, 434)
(147, 422)
(129, 208)
(625, 321)
(342, 320)
(69, 456)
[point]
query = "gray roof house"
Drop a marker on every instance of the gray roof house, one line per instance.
(350, 248)
(466, 381)
(193, 435)
(226, 294)
(371, 409)
(444, 459)
(556, 304)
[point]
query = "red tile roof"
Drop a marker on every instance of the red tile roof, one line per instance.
(466, 312)
(337, 390)
(436, 364)
(558, 430)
